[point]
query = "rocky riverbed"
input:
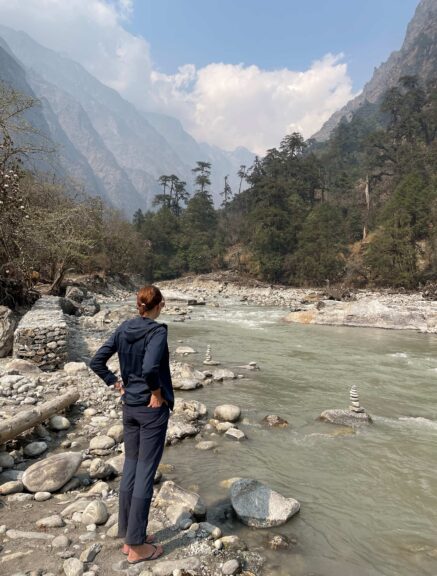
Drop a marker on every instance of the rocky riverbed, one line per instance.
(335, 307)
(59, 480)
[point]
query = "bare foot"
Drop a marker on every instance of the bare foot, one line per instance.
(149, 540)
(144, 552)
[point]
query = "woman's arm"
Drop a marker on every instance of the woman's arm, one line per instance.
(155, 348)
(101, 357)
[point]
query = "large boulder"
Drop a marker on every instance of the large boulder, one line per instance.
(227, 413)
(345, 417)
(52, 473)
(7, 327)
(171, 494)
(259, 506)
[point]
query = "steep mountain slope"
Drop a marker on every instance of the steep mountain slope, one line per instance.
(125, 149)
(417, 57)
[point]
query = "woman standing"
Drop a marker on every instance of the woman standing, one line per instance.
(147, 393)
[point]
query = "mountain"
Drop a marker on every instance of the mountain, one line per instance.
(417, 57)
(103, 141)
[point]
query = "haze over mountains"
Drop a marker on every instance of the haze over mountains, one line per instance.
(417, 57)
(102, 140)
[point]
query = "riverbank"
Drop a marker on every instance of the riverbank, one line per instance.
(385, 309)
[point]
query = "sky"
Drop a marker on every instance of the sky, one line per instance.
(234, 72)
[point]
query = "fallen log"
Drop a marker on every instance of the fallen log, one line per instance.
(11, 427)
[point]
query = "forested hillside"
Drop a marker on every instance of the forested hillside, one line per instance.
(360, 208)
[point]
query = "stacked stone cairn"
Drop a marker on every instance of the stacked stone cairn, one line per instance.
(355, 401)
(354, 416)
(42, 335)
(208, 357)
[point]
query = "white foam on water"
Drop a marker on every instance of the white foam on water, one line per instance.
(399, 355)
(408, 421)
(248, 318)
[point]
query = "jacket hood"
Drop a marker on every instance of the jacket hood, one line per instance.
(137, 328)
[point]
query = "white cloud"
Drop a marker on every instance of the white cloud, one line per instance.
(223, 104)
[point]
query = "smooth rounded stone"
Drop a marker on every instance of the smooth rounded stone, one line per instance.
(218, 544)
(231, 567)
(227, 413)
(54, 521)
(95, 513)
(73, 567)
(101, 443)
(18, 534)
(51, 473)
(42, 496)
(76, 517)
(224, 426)
(222, 374)
(99, 468)
(11, 487)
(88, 412)
(29, 400)
(274, 421)
(235, 434)
(229, 481)
(185, 350)
(75, 368)
(59, 423)
(91, 527)
(186, 384)
(77, 506)
(35, 449)
(6, 460)
(172, 494)
(61, 541)
(116, 463)
(72, 484)
(116, 432)
(233, 542)
(345, 417)
(206, 445)
(120, 566)
(259, 506)
(8, 475)
(98, 488)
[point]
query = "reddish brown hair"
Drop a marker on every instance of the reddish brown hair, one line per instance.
(148, 297)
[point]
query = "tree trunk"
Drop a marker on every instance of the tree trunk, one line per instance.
(11, 427)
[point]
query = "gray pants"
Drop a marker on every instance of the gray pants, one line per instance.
(144, 439)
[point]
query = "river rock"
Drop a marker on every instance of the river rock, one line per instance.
(178, 515)
(116, 432)
(274, 421)
(11, 487)
(60, 541)
(6, 460)
(35, 449)
(206, 445)
(54, 521)
(95, 513)
(231, 567)
(227, 413)
(345, 417)
(224, 426)
(74, 507)
(116, 463)
(73, 567)
(59, 423)
(101, 443)
(100, 468)
(222, 374)
(235, 434)
(52, 473)
(7, 326)
(42, 496)
(98, 488)
(186, 384)
(23, 366)
(89, 554)
(171, 494)
(233, 542)
(259, 506)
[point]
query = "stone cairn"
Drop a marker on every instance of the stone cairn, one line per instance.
(355, 401)
(208, 358)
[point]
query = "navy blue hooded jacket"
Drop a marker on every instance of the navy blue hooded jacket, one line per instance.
(141, 344)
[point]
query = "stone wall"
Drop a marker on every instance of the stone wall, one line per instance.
(42, 335)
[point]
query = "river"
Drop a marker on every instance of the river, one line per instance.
(368, 499)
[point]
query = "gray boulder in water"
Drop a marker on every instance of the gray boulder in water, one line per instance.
(345, 417)
(52, 473)
(259, 506)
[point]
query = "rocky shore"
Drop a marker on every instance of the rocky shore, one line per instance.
(59, 480)
(372, 309)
